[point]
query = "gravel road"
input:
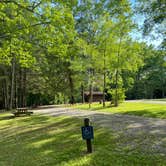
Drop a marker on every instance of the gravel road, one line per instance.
(149, 134)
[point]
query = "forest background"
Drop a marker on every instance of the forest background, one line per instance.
(51, 52)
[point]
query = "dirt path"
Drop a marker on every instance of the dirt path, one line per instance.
(149, 134)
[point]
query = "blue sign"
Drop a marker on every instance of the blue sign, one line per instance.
(87, 132)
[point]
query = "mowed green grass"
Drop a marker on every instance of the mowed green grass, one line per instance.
(56, 141)
(130, 108)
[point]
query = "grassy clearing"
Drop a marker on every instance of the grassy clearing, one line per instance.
(131, 108)
(56, 141)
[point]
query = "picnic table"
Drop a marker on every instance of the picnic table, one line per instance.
(23, 110)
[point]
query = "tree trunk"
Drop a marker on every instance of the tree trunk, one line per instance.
(64, 98)
(104, 89)
(163, 94)
(82, 93)
(162, 84)
(116, 89)
(20, 88)
(71, 89)
(24, 88)
(16, 92)
(90, 95)
(117, 74)
(12, 82)
(3, 94)
(104, 81)
(6, 86)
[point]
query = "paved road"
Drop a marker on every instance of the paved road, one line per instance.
(149, 134)
(150, 101)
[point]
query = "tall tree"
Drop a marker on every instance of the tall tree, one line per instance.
(154, 23)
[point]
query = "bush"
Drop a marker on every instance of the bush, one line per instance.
(120, 95)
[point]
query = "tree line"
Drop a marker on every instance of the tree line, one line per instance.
(54, 51)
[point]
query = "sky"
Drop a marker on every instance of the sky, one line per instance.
(139, 19)
(137, 35)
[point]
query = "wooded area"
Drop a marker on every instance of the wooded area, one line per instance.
(51, 52)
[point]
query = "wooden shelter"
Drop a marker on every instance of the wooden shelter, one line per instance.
(97, 96)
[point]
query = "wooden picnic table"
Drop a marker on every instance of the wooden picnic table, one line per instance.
(23, 110)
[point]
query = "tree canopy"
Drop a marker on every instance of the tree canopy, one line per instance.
(54, 51)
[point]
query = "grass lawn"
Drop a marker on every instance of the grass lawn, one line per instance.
(131, 108)
(56, 141)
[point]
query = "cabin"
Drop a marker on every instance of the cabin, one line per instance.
(97, 96)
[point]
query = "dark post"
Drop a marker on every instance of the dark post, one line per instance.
(88, 141)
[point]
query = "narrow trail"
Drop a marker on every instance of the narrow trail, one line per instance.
(149, 134)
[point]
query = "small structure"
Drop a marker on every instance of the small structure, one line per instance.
(97, 96)
(22, 111)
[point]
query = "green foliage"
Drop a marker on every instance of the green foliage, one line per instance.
(120, 96)
(60, 99)
(150, 80)
(154, 23)
(58, 47)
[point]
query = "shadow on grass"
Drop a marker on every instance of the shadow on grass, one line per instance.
(41, 141)
(56, 141)
(7, 117)
(100, 108)
(46, 107)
